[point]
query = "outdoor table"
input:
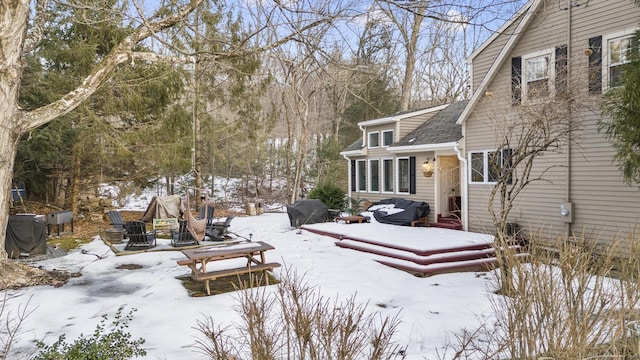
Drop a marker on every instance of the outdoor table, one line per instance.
(254, 252)
(351, 219)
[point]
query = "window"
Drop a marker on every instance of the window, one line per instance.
(374, 139)
(387, 138)
(374, 175)
(387, 175)
(361, 174)
(489, 165)
(403, 175)
(537, 76)
(618, 54)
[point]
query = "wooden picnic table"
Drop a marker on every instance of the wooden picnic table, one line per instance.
(254, 252)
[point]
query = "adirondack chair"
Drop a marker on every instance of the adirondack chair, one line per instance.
(139, 237)
(218, 230)
(182, 236)
(116, 219)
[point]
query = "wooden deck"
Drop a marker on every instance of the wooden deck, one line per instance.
(422, 254)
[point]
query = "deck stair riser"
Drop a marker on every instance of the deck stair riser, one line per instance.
(447, 256)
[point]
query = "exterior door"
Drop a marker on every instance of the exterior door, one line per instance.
(449, 186)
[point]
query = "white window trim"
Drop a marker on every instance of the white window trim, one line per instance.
(392, 137)
(397, 178)
(605, 53)
(552, 71)
(370, 177)
(369, 139)
(358, 175)
(382, 178)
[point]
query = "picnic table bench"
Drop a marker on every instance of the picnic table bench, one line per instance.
(254, 252)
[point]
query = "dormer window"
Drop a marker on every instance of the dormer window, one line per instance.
(374, 139)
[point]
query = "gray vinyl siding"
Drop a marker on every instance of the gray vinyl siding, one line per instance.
(604, 208)
(409, 124)
(483, 61)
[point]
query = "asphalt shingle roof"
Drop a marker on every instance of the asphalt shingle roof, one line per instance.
(441, 128)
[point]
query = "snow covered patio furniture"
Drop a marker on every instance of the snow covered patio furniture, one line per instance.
(397, 211)
(307, 212)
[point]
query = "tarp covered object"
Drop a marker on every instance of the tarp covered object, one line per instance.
(26, 236)
(307, 212)
(164, 207)
(413, 210)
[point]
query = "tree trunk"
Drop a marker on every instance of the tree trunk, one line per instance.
(75, 183)
(14, 41)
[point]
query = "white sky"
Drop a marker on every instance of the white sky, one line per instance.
(431, 309)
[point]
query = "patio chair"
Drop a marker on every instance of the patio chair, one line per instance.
(182, 237)
(139, 237)
(218, 230)
(116, 219)
(206, 211)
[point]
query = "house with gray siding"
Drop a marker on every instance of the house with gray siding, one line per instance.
(560, 53)
(412, 155)
(550, 51)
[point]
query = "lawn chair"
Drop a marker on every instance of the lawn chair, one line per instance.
(116, 219)
(206, 211)
(182, 237)
(219, 229)
(139, 237)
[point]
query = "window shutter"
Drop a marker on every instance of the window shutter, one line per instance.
(353, 175)
(561, 70)
(412, 175)
(595, 65)
(516, 80)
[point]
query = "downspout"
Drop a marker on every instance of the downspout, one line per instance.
(348, 174)
(570, 120)
(464, 192)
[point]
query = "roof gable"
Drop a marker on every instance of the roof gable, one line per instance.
(529, 10)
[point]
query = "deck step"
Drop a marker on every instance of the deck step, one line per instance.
(448, 267)
(447, 255)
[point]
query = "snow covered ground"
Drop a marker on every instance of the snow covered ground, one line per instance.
(431, 309)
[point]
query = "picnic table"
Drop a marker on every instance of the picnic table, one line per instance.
(254, 252)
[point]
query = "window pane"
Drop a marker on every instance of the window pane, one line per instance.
(403, 175)
(477, 167)
(374, 173)
(537, 68)
(537, 76)
(374, 140)
(619, 50)
(387, 175)
(387, 138)
(493, 160)
(538, 88)
(362, 175)
(615, 75)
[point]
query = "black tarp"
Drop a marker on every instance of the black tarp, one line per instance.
(413, 210)
(26, 236)
(307, 212)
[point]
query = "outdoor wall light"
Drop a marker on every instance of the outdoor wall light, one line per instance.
(427, 167)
